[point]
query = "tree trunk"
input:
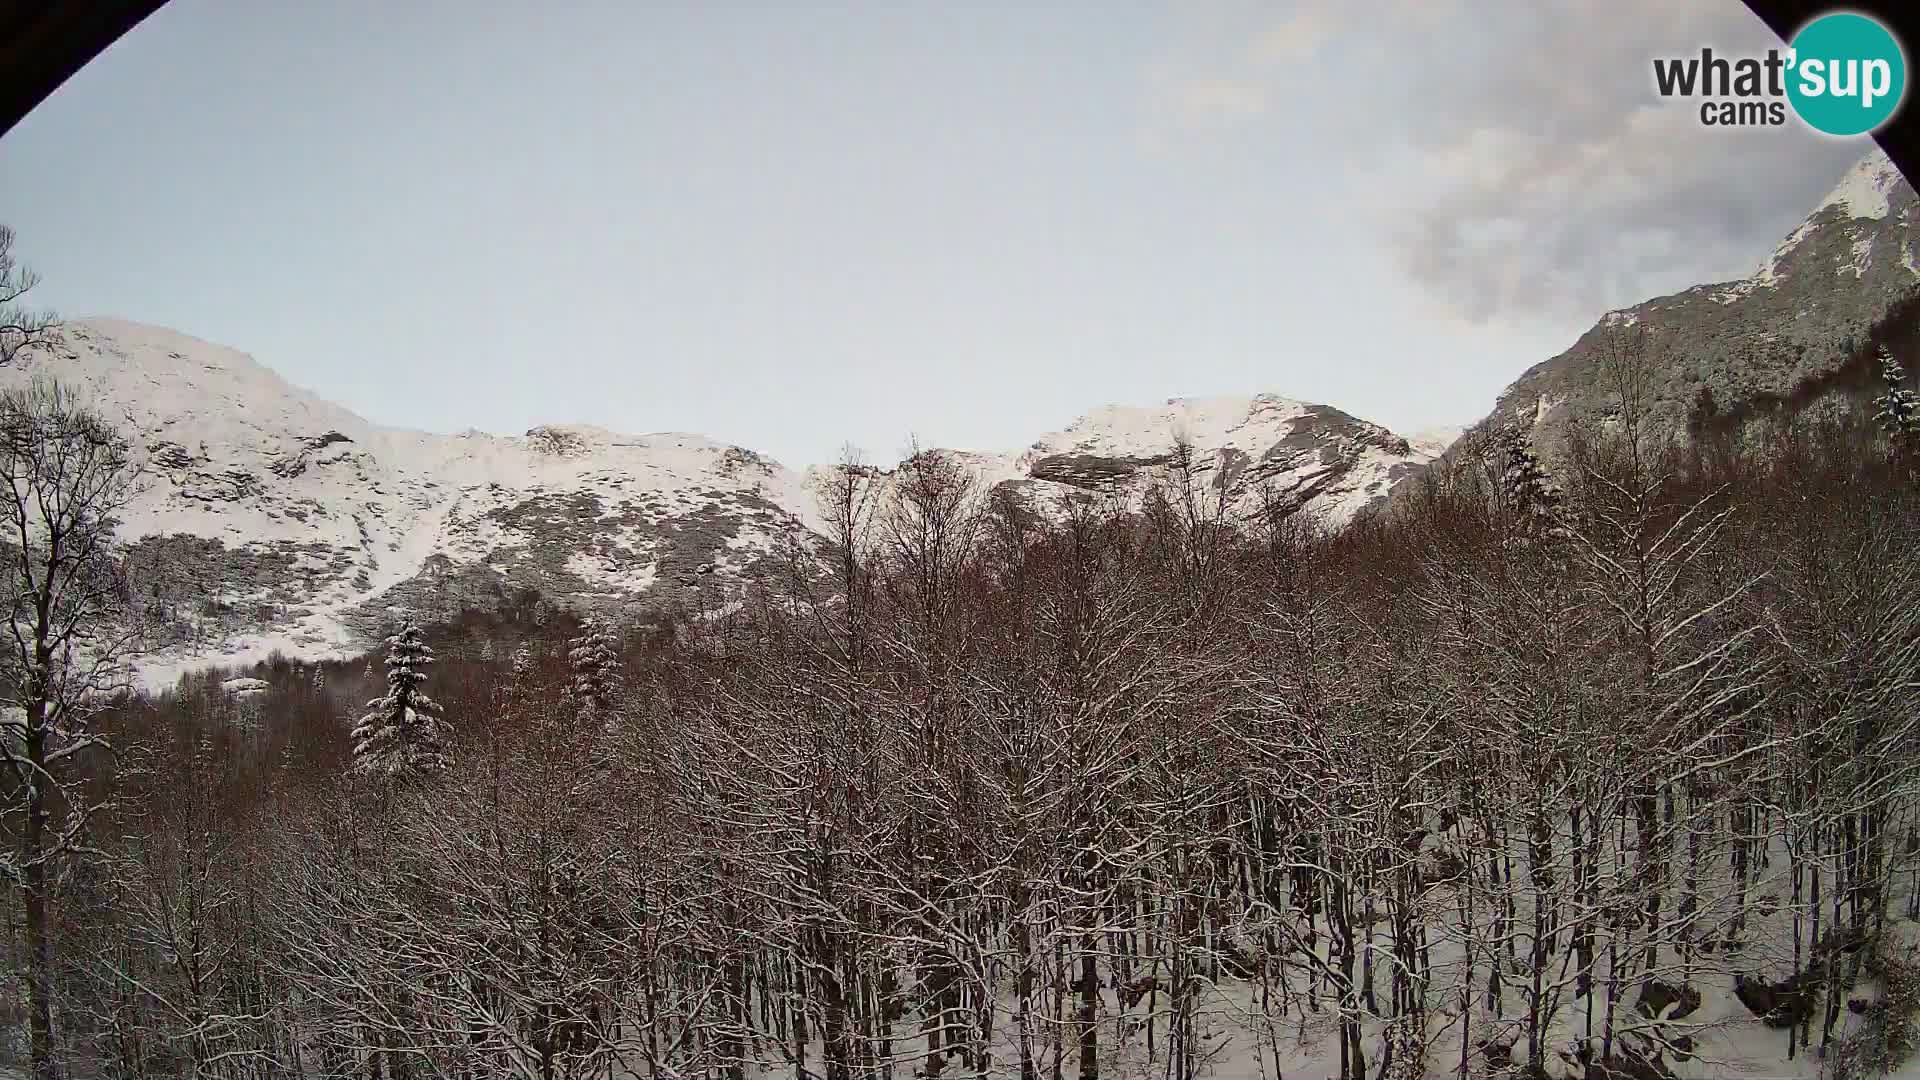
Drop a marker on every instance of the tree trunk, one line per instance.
(39, 935)
(1089, 1007)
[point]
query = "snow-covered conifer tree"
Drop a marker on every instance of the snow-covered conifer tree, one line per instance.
(594, 656)
(1897, 409)
(1521, 483)
(403, 733)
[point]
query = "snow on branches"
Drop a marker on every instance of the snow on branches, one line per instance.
(403, 734)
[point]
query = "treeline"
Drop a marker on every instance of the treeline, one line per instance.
(1538, 775)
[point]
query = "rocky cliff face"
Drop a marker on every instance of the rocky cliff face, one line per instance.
(272, 519)
(1787, 335)
(1245, 451)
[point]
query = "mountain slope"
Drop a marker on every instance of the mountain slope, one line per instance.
(1789, 333)
(272, 519)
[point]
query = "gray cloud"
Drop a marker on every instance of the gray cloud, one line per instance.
(1519, 160)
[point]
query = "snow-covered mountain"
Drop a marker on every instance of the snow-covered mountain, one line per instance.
(272, 519)
(1792, 334)
(1245, 450)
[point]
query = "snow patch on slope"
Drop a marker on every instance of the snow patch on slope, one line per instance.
(1862, 252)
(1866, 190)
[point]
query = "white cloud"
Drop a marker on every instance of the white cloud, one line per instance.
(1209, 101)
(1298, 36)
(1519, 164)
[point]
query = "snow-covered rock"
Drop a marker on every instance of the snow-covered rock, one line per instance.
(1245, 448)
(245, 687)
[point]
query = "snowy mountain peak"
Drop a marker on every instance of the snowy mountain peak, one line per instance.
(1863, 200)
(175, 379)
(1208, 423)
(1434, 441)
(1248, 449)
(1867, 189)
(1200, 420)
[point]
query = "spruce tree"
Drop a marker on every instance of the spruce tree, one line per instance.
(402, 736)
(594, 657)
(1522, 484)
(1898, 409)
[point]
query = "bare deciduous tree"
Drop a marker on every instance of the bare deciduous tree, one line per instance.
(21, 327)
(69, 475)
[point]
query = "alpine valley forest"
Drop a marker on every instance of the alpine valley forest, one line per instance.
(1598, 763)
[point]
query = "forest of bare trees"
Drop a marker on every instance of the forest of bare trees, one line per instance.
(1601, 770)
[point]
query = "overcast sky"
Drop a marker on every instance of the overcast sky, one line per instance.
(792, 224)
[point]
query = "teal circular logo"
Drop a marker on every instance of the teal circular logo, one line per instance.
(1846, 74)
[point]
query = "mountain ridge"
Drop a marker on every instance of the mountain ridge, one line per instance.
(273, 519)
